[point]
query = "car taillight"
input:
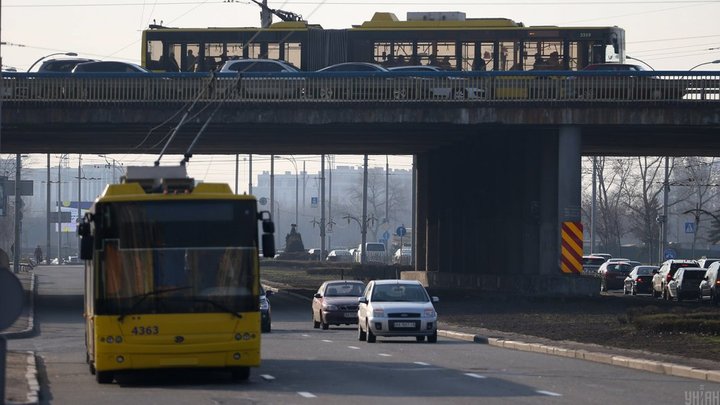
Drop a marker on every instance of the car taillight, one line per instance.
(668, 278)
(717, 282)
(639, 280)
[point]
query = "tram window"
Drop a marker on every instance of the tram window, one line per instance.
(610, 54)
(509, 56)
(154, 54)
(189, 60)
(171, 62)
(477, 56)
(444, 55)
(234, 50)
(213, 58)
(574, 56)
(254, 51)
(273, 51)
(293, 52)
(543, 55)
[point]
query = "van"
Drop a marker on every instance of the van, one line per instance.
(375, 253)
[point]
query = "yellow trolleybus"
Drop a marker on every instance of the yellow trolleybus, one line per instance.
(172, 275)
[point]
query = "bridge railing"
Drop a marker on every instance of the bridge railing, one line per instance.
(396, 87)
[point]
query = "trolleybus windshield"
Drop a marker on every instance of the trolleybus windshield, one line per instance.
(177, 257)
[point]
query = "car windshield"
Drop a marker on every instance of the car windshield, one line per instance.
(693, 275)
(645, 271)
(399, 293)
(344, 290)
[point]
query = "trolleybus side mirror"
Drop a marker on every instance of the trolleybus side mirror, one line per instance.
(86, 240)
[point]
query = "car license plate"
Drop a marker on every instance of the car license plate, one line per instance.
(404, 324)
(350, 315)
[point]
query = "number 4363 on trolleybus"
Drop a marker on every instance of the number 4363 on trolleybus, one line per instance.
(172, 275)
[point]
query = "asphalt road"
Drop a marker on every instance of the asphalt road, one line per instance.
(302, 365)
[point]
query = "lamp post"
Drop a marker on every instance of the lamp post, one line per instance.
(114, 166)
(52, 54)
(705, 63)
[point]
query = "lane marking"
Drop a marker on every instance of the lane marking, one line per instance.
(267, 377)
(549, 393)
(353, 347)
(306, 394)
(305, 335)
(327, 341)
(420, 363)
(478, 376)
(384, 355)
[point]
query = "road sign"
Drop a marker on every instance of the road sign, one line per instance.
(401, 231)
(263, 200)
(386, 235)
(689, 227)
(313, 202)
(669, 254)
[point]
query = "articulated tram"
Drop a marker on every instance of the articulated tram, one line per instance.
(450, 40)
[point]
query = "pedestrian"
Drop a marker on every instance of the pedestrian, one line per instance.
(38, 254)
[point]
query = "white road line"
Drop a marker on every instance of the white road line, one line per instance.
(384, 355)
(549, 393)
(306, 394)
(473, 375)
(267, 377)
(305, 335)
(420, 363)
(353, 347)
(327, 341)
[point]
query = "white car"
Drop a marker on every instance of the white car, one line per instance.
(392, 308)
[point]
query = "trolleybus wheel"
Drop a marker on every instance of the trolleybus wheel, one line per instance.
(104, 377)
(240, 373)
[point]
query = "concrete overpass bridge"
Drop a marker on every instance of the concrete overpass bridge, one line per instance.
(506, 147)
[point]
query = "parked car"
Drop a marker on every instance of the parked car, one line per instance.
(452, 87)
(591, 263)
(315, 254)
(265, 310)
(336, 303)
(639, 281)
(665, 274)
(710, 285)
(613, 274)
(706, 262)
(336, 87)
(396, 308)
(685, 284)
(374, 253)
(339, 256)
(292, 86)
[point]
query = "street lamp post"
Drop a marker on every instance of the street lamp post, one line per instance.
(641, 61)
(704, 63)
(52, 54)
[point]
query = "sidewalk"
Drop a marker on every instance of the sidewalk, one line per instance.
(21, 384)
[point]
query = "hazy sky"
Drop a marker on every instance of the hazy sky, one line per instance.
(667, 34)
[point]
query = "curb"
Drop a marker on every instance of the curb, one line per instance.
(30, 330)
(657, 367)
(32, 382)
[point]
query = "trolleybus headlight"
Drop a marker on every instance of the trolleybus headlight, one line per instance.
(118, 339)
(236, 356)
(238, 336)
(110, 339)
(246, 336)
(120, 359)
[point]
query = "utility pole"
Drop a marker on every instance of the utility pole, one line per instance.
(250, 174)
(18, 215)
(322, 205)
(47, 205)
(592, 206)
(663, 224)
(363, 226)
(387, 191)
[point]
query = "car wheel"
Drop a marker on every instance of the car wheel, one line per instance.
(458, 94)
(104, 377)
(633, 290)
(625, 290)
(266, 327)
(432, 338)
(420, 338)
(603, 286)
(316, 324)
(361, 334)
(370, 335)
(240, 373)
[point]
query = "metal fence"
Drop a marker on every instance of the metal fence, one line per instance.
(396, 87)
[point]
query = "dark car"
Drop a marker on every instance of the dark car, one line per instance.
(710, 285)
(613, 274)
(64, 65)
(282, 85)
(451, 87)
(336, 303)
(685, 284)
(639, 281)
(626, 86)
(666, 273)
(265, 310)
(336, 85)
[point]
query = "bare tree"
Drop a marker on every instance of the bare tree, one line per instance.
(700, 177)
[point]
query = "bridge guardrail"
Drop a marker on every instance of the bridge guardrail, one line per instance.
(397, 87)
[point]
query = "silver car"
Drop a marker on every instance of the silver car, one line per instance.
(393, 308)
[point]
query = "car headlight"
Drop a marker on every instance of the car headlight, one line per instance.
(429, 313)
(330, 307)
(378, 312)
